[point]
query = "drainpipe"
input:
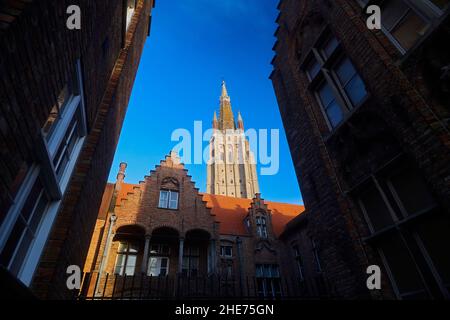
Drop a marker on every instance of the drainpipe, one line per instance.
(112, 220)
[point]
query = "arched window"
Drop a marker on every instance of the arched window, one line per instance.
(230, 153)
(261, 227)
(221, 152)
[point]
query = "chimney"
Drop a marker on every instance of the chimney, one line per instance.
(121, 175)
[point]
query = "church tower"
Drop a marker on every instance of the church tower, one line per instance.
(231, 165)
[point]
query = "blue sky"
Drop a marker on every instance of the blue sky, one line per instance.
(193, 45)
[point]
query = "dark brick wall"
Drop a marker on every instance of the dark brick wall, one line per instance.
(406, 113)
(38, 53)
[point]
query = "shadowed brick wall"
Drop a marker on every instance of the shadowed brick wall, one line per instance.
(37, 55)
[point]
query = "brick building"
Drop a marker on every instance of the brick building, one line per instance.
(63, 97)
(366, 114)
(162, 238)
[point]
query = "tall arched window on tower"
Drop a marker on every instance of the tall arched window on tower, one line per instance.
(230, 153)
(261, 227)
(221, 152)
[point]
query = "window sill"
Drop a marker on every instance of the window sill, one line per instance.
(168, 209)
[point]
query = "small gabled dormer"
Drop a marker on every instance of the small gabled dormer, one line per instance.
(259, 219)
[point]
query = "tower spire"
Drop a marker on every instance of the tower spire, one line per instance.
(226, 118)
(240, 121)
(231, 169)
(224, 89)
(215, 122)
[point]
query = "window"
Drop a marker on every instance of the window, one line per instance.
(403, 23)
(261, 227)
(191, 256)
(299, 262)
(28, 222)
(25, 228)
(350, 81)
(160, 249)
(158, 262)
(412, 251)
(268, 280)
(226, 251)
(230, 153)
(126, 259)
(168, 199)
(331, 107)
(335, 81)
(407, 21)
(131, 7)
(158, 266)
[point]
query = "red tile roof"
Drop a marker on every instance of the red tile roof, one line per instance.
(230, 212)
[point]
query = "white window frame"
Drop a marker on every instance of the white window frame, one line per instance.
(159, 260)
(171, 194)
(56, 189)
(127, 253)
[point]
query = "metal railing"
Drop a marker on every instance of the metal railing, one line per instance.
(143, 287)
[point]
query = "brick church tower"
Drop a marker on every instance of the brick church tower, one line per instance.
(231, 166)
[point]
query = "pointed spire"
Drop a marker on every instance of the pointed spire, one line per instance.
(240, 121)
(226, 118)
(224, 89)
(215, 122)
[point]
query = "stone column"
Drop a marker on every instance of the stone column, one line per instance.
(180, 255)
(145, 255)
(212, 254)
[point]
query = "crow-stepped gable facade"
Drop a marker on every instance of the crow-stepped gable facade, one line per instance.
(162, 238)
